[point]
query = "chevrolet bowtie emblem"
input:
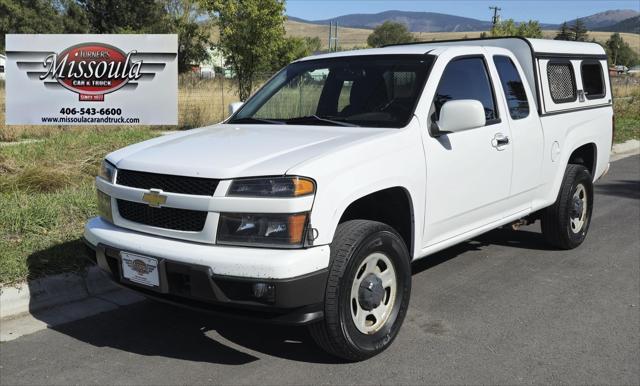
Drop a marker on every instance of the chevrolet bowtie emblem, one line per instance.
(154, 198)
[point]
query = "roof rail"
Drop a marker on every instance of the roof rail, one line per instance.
(455, 40)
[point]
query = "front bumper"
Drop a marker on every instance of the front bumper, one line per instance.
(221, 279)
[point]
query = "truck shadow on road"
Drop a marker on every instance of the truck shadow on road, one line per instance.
(154, 329)
(620, 188)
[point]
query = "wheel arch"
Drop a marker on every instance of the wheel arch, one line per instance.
(392, 206)
(582, 153)
(585, 155)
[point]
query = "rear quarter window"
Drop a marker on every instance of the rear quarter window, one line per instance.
(512, 86)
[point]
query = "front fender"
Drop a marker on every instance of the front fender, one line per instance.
(346, 175)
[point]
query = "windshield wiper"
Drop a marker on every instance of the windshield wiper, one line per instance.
(256, 120)
(315, 118)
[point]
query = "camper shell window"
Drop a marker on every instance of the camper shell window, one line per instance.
(562, 83)
(592, 79)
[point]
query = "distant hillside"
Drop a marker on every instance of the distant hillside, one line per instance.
(415, 21)
(604, 20)
(630, 25)
(348, 37)
(357, 37)
(440, 22)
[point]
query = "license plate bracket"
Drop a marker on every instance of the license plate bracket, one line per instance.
(140, 270)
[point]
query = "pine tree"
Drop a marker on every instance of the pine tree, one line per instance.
(579, 31)
(564, 33)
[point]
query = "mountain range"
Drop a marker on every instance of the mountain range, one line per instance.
(439, 22)
(631, 25)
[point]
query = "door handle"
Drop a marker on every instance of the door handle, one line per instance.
(499, 141)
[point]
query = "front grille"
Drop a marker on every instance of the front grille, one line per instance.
(168, 218)
(166, 182)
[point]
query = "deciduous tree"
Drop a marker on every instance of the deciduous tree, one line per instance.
(116, 16)
(389, 32)
(251, 36)
(194, 35)
(619, 51)
(530, 29)
(28, 16)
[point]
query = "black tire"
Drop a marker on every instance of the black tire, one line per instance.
(556, 219)
(354, 241)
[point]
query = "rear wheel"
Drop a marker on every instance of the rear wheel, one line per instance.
(367, 292)
(565, 223)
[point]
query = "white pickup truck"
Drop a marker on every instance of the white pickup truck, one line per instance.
(308, 205)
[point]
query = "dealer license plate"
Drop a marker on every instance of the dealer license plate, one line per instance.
(140, 269)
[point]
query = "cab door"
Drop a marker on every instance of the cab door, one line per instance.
(527, 138)
(468, 172)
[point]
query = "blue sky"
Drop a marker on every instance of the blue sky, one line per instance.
(546, 11)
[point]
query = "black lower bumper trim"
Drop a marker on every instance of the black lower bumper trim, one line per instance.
(296, 301)
(298, 316)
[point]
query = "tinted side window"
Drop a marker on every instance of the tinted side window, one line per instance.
(562, 83)
(513, 87)
(466, 78)
(592, 79)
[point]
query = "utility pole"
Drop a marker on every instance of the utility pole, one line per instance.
(496, 17)
(333, 36)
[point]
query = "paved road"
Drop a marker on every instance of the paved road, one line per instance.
(499, 309)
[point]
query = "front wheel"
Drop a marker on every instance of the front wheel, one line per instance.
(367, 292)
(566, 222)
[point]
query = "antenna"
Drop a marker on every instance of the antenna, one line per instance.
(496, 16)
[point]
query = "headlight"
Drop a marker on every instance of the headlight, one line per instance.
(104, 206)
(272, 187)
(278, 230)
(107, 171)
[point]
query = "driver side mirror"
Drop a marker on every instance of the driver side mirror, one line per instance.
(235, 106)
(460, 115)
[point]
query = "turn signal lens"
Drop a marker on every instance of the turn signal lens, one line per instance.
(104, 206)
(303, 186)
(296, 228)
(272, 187)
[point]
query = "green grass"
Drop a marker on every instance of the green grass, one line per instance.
(627, 113)
(46, 196)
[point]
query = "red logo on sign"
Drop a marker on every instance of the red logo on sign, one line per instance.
(92, 69)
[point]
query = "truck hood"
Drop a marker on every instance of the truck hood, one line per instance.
(230, 151)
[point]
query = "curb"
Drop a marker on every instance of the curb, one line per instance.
(52, 291)
(625, 149)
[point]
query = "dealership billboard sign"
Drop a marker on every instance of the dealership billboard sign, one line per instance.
(91, 79)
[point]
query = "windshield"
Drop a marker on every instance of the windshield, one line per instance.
(378, 91)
